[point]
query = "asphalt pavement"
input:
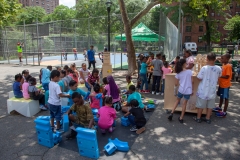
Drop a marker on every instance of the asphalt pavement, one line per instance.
(161, 140)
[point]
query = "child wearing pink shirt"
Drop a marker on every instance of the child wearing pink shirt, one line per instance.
(25, 88)
(106, 115)
(95, 103)
(166, 70)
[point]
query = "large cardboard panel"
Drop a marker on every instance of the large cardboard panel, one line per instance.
(170, 99)
(106, 70)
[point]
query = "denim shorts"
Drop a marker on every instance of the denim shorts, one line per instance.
(55, 111)
(180, 95)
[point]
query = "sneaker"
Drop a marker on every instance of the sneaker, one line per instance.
(103, 131)
(133, 129)
(142, 91)
(72, 135)
(141, 130)
(162, 94)
(221, 114)
(157, 93)
(180, 120)
(42, 107)
(146, 91)
(153, 92)
(170, 117)
(111, 129)
(217, 109)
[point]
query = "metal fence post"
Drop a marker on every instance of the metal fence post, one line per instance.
(38, 44)
(88, 33)
(61, 40)
(25, 48)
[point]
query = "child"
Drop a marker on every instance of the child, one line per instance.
(166, 70)
(150, 59)
(143, 76)
(72, 74)
(17, 86)
(84, 73)
(157, 74)
(173, 63)
(106, 115)
(25, 88)
(206, 93)
(136, 118)
(129, 81)
(95, 103)
(36, 94)
(133, 95)
(93, 78)
(66, 80)
(112, 89)
(54, 102)
(25, 74)
(224, 85)
(74, 69)
(65, 68)
(185, 82)
(61, 82)
(59, 68)
(45, 77)
(74, 88)
(83, 117)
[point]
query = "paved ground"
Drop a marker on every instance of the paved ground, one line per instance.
(162, 140)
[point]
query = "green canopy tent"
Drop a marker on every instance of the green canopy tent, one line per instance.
(141, 33)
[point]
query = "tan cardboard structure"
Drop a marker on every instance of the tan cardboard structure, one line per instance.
(107, 66)
(170, 99)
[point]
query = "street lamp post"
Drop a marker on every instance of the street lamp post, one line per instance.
(108, 4)
(179, 26)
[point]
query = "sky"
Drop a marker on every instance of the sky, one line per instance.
(69, 3)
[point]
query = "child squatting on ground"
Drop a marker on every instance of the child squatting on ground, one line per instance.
(184, 82)
(136, 117)
(206, 93)
(54, 102)
(83, 116)
(107, 115)
(224, 85)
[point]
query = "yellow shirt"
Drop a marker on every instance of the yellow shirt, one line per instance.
(129, 84)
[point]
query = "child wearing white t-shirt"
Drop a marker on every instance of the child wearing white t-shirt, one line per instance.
(184, 82)
(54, 102)
(84, 73)
(206, 93)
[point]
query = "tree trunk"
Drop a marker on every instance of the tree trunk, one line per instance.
(132, 66)
(208, 36)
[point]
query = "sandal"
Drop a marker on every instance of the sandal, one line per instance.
(198, 120)
(180, 120)
(208, 121)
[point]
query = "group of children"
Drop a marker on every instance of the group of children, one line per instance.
(148, 67)
(209, 76)
(64, 83)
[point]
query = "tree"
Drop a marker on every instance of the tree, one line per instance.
(63, 13)
(31, 14)
(128, 24)
(8, 11)
(233, 25)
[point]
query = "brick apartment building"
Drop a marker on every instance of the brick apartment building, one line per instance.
(48, 5)
(193, 32)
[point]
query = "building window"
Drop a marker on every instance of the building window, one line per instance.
(188, 19)
(231, 6)
(200, 29)
(237, 5)
(200, 39)
(217, 27)
(187, 38)
(212, 14)
(188, 28)
(201, 19)
(218, 14)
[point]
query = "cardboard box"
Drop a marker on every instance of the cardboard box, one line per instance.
(106, 61)
(106, 70)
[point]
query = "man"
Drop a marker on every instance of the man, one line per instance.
(19, 49)
(91, 57)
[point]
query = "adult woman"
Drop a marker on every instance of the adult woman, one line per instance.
(189, 59)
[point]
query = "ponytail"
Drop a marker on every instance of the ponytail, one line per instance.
(179, 65)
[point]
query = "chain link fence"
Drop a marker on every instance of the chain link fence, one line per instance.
(52, 39)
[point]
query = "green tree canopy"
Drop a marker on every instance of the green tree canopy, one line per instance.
(63, 13)
(233, 25)
(31, 14)
(8, 11)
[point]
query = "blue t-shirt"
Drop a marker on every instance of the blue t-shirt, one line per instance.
(62, 85)
(91, 54)
(70, 92)
(45, 75)
(137, 96)
(143, 68)
(16, 89)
